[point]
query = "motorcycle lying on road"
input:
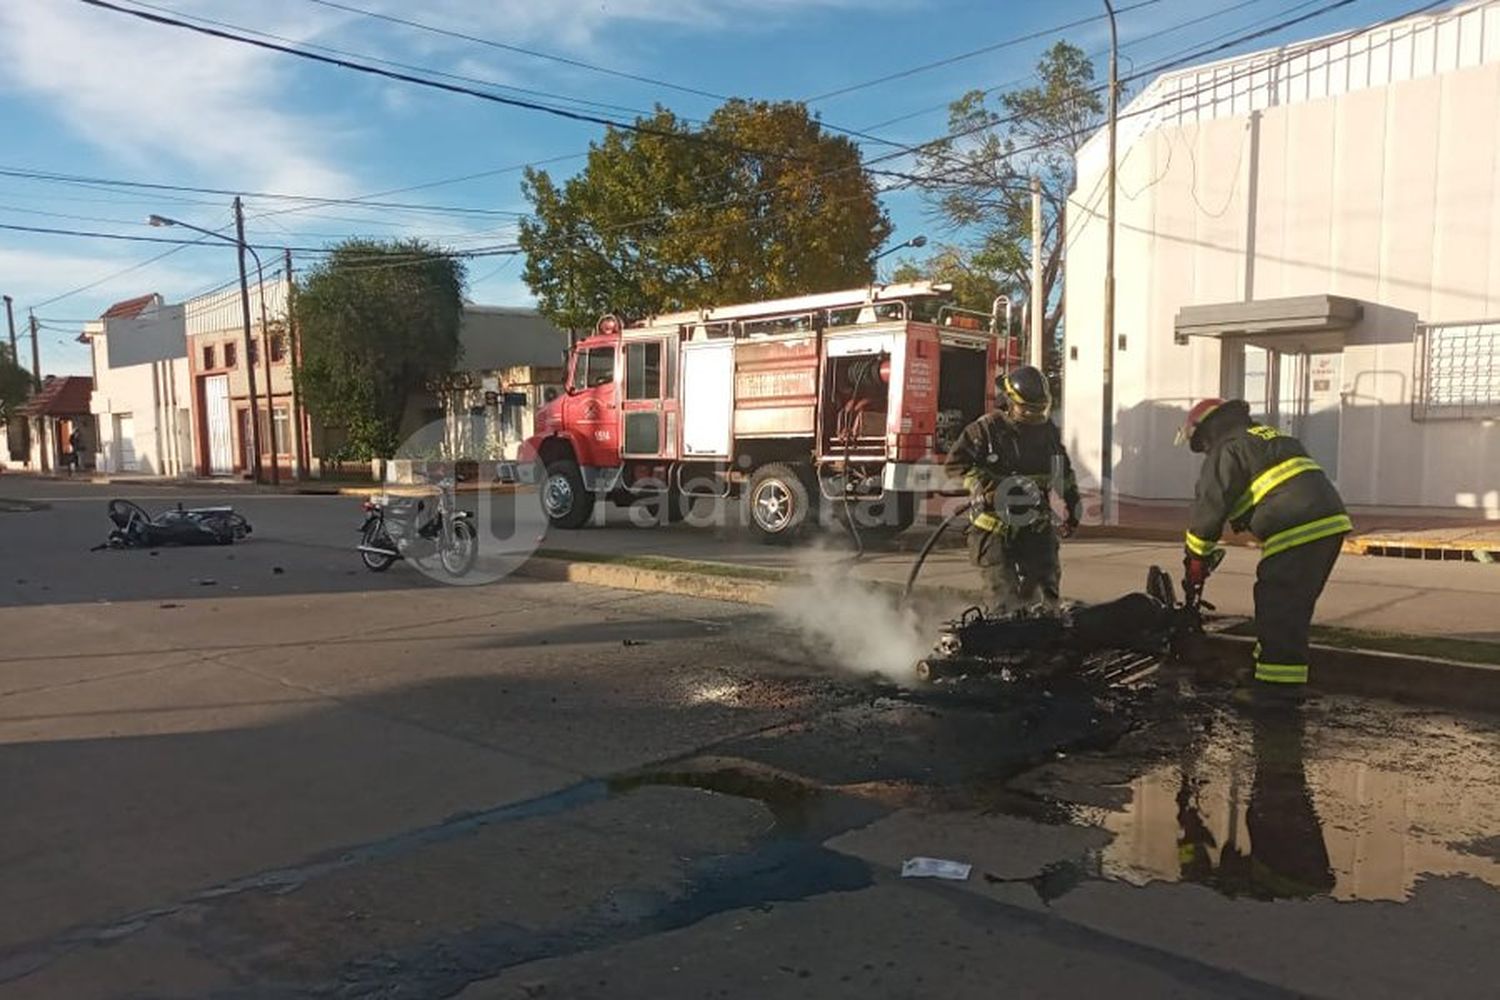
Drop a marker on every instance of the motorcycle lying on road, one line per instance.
(400, 527)
(134, 528)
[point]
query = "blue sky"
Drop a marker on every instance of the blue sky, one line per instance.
(93, 93)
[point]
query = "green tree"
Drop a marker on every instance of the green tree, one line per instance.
(378, 320)
(15, 384)
(979, 183)
(758, 202)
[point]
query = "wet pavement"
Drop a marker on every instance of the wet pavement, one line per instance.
(543, 790)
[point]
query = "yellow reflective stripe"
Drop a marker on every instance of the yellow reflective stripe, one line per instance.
(1312, 531)
(986, 521)
(1281, 673)
(971, 479)
(1200, 546)
(1269, 480)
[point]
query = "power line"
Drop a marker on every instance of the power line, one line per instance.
(546, 95)
(950, 60)
(358, 67)
(310, 200)
(139, 238)
(491, 43)
(1092, 57)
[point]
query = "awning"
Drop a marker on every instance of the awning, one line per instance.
(1313, 323)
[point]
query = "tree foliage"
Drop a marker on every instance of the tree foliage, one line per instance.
(377, 321)
(15, 384)
(758, 202)
(976, 279)
(979, 183)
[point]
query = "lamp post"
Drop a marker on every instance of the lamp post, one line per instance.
(915, 243)
(239, 242)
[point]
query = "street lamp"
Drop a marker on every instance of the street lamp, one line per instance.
(915, 243)
(239, 242)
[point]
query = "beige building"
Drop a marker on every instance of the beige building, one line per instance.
(1315, 228)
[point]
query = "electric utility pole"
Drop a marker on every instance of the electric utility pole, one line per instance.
(239, 235)
(1107, 382)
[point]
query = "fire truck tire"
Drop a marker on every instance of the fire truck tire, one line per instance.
(567, 503)
(780, 503)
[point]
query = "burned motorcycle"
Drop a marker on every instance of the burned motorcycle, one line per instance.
(1119, 640)
(134, 528)
(401, 527)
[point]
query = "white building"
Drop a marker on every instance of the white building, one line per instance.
(141, 406)
(1315, 228)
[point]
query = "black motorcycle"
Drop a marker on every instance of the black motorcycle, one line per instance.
(399, 527)
(134, 528)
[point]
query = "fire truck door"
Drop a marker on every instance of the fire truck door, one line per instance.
(592, 405)
(647, 432)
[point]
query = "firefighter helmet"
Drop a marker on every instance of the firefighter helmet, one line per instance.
(1026, 394)
(1191, 431)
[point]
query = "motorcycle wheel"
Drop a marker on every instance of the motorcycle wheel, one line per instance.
(462, 550)
(375, 535)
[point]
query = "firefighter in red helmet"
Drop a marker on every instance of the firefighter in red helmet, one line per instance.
(1255, 478)
(1011, 461)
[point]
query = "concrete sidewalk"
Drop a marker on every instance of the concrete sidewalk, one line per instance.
(1448, 599)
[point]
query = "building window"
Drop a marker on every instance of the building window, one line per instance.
(1457, 371)
(254, 352)
(281, 423)
(231, 354)
(208, 356)
(278, 348)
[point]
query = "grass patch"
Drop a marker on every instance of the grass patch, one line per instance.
(663, 564)
(1437, 646)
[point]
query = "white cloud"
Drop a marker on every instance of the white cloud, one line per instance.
(38, 275)
(157, 97)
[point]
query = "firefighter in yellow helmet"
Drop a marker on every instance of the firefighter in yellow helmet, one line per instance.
(1011, 460)
(1255, 478)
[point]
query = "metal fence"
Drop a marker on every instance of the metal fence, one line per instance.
(1457, 371)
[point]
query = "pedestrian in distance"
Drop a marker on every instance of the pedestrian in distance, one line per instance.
(1011, 460)
(1257, 479)
(75, 450)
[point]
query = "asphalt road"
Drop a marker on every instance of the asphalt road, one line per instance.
(327, 782)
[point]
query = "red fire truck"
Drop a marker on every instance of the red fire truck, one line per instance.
(853, 397)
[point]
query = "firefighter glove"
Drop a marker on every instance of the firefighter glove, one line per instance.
(1196, 569)
(1069, 525)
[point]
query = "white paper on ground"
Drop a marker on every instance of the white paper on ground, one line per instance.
(958, 871)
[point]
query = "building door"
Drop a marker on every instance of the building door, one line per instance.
(217, 425)
(125, 443)
(1299, 394)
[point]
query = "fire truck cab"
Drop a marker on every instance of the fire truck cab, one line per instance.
(851, 397)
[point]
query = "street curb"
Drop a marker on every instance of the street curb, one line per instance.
(1337, 669)
(683, 583)
(1398, 676)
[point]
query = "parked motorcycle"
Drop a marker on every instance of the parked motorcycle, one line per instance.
(134, 528)
(399, 527)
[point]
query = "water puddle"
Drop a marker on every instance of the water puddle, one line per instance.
(1348, 800)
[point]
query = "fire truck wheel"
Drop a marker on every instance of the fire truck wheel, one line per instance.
(780, 503)
(567, 503)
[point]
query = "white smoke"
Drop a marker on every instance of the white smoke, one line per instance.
(865, 629)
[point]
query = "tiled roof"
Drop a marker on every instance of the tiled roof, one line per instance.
(130, 308)
(60, 397)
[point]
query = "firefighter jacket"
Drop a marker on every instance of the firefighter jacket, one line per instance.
(1260, 480)
(1023, 462)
